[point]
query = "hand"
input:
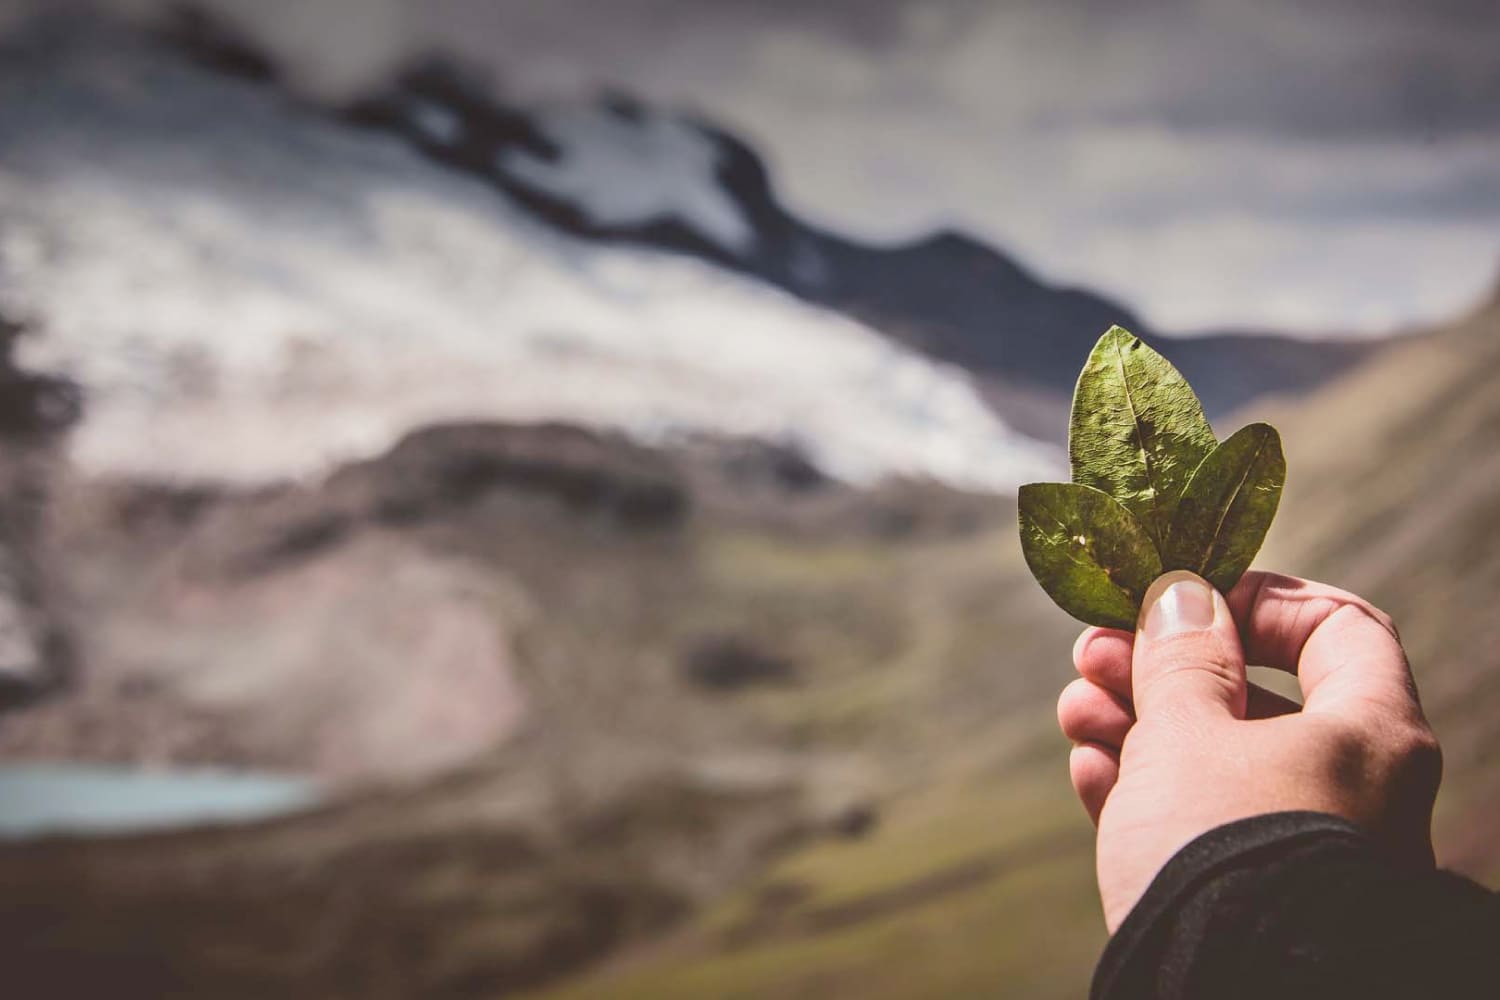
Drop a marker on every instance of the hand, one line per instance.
(1170, 741)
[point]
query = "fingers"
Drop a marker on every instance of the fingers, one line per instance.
(1344, 651)
(1088, 713)
(1186, 659)
(1103, 656)
(1094, 770)
(1096, 720)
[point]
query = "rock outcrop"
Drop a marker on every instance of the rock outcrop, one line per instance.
(34, 412)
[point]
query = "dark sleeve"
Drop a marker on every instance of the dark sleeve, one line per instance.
(1301, 905)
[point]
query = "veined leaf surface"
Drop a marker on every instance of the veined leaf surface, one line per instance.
(1227, 507)
(1137, 430)
(1092, 556)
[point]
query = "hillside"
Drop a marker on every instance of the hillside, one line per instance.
(861, 750)
(623, 172)
(816, 648)
(1394, 492)
(35, 654)
(1397, 495)
(198, 251)
(619, 171)
(632, 565)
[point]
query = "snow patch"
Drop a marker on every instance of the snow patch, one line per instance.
(435, 122)
(632, 169)
(249, 292)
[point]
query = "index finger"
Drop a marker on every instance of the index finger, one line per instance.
(1344, 651)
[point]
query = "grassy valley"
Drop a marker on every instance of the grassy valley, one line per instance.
(775, 738)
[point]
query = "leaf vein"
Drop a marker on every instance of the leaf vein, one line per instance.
(1140, 436)
(1213, 542)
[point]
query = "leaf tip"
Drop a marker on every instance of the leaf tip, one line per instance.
(1116, 335)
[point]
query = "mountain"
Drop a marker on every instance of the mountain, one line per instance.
(632, 659)
(772, 732)
(563, 692)
(197, 251)
(974, 884)
(1397, 496)
(621, 171)
(35, 654)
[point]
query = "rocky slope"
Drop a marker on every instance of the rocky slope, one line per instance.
(1397, 495)
(840, 698)
(770, 711)
(35, 651)
(659, 668)
(357, 291)
(624, 172)
(1393, 491)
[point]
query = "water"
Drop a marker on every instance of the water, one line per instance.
(40, 799)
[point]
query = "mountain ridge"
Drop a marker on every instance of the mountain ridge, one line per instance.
(946, 293)
(751, 728)
(907, 668)
(198, 250)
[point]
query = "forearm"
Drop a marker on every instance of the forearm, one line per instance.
(1296, 905)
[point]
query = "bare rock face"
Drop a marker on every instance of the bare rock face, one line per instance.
(34, 411)
(375, 661)
(436, 636)
(442, 467)
(360, 629)
(23, 668)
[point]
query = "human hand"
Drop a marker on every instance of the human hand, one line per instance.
(1170, 741)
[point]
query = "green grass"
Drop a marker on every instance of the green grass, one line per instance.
(976, 887)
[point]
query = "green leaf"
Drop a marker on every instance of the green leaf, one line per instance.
(1228, 506)
(1137, 429)
(1091, 555)
(1151, 489)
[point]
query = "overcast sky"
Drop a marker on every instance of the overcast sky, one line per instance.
(1309, 166)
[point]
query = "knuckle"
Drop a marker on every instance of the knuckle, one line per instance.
(1416, 752)
(1193, 651)
(1349, 745)
(1189, 659)
(1396, 755)
(1087, 713)
(1365, 609)
(1351, 760)
(1384, 620)
(1081, 645)
(1070, 706)
(1184, 700)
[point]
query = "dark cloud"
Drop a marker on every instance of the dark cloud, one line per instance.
(1217, 162)
(1335, 67)
(1342, 70)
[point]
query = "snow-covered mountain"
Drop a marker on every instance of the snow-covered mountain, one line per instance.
(247, 289)
(623, 172)
(623, 167)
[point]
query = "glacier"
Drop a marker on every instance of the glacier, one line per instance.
(248, 290)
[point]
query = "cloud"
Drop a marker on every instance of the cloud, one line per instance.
(1165, 150)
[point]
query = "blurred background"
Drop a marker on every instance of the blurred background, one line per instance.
(517, 498)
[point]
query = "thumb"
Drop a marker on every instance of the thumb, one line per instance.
(1187, 656)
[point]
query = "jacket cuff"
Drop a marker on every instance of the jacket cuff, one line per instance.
(1145, 931)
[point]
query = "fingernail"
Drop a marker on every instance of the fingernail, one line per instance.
(1183, 603)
